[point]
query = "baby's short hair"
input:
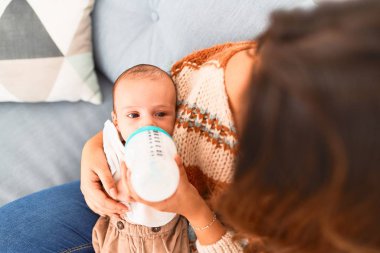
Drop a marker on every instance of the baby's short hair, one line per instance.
(140, 71)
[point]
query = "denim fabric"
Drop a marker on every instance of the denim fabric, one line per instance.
(52, 220)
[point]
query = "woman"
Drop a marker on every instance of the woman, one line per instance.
(207, 136)
(308, 175)
(304, 144)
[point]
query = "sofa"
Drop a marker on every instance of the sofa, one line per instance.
(41, 141)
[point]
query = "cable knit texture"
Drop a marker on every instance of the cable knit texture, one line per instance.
(205, 134)
(224, 245)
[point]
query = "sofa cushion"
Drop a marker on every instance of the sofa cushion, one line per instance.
(161, 32)
(46, 51)
(41, 144)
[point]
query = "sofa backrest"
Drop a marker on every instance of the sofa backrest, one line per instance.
(160, 32)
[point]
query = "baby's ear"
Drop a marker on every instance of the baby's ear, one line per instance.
(114, 119)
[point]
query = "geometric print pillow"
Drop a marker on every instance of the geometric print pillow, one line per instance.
(46, 51)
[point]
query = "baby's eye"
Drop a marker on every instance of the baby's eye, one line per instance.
(161, 114)
(133, 115)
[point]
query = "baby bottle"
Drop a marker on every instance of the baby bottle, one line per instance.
(149, 155)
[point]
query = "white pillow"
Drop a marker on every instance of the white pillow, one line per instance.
(46, 51)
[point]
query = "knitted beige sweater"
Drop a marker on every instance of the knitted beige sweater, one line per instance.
(205, 134)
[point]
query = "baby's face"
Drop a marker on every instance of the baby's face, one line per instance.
(144, 102)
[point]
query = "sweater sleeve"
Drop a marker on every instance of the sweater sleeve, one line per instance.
(224, 245)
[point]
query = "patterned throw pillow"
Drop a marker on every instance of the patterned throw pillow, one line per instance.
(46, 51)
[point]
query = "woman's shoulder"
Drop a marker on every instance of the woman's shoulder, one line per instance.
(220, 53)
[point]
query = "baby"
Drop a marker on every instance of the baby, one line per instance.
(144, 95)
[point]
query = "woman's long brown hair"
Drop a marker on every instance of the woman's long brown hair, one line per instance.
(308, 176)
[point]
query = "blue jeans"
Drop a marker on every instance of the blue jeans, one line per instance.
(52, 220)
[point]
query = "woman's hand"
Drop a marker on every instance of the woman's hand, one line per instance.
(96, 181)
(186, 201)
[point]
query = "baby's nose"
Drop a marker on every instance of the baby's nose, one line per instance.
(148, 121)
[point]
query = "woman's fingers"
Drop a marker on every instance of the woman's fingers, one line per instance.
(170, 203)
(99, 210)
(179, 202)
(178, 160)
(107, 204)
(97, 184)
(96, 198)
(107, 181)
(182, 172)
(102, 204)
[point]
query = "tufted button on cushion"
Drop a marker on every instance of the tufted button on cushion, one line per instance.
(155, 17)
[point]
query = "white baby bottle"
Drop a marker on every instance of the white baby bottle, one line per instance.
(149, 155)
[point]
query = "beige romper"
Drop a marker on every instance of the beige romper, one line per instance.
(117, 235)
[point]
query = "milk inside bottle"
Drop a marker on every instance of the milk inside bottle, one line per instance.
(149, 155)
